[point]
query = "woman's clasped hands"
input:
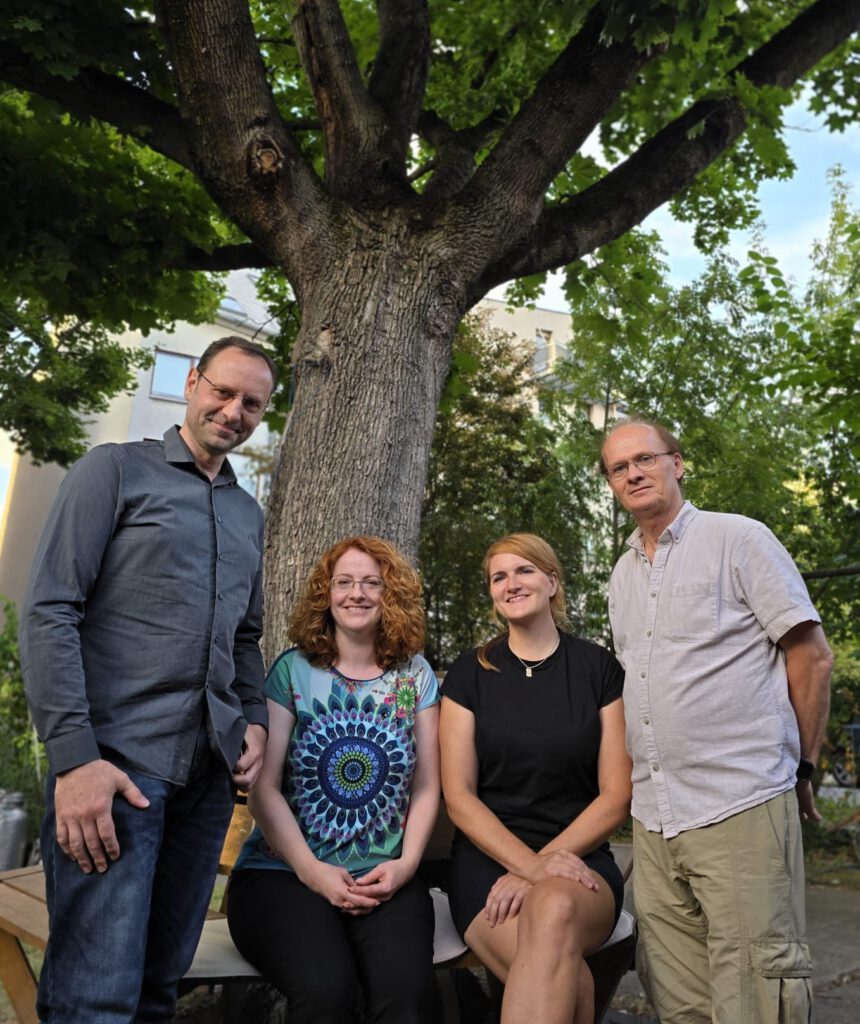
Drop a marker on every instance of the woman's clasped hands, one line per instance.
(356, 895)
(337, 885)
(382, 881)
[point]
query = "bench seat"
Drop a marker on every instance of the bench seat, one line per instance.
(24, 918)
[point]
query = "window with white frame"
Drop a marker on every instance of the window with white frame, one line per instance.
(169, 373)
(233, 309)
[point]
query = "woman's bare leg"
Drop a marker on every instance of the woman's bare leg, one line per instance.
(495, 946)
(559, 923)
(584, 1013)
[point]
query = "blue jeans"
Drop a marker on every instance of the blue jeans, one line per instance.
(121, 941)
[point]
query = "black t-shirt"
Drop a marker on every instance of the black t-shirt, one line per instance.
(537, 739)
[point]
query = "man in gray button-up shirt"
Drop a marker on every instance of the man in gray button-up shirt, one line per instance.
(140, 648)
(726, 699)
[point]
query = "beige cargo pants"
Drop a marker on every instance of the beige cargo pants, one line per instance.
(722, 919)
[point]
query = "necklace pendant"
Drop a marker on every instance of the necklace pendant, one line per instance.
(528, 671)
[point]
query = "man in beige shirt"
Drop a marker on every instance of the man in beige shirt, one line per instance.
(726, 697)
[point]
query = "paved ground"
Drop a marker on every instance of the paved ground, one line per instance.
(833, 923)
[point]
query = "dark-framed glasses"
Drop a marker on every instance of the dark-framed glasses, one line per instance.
(253, 405)
(645, 461)
(368, 584)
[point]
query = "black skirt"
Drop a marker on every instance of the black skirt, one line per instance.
(472, 874)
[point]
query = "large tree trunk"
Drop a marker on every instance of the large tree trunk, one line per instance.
(369, 366)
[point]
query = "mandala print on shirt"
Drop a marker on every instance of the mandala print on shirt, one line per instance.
(404, 696)
(351, 767)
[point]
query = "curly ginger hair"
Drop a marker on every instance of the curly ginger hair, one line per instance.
(400, 633)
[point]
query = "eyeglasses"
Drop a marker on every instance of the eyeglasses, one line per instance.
(250, 404)
(370, 584)
(646, 461)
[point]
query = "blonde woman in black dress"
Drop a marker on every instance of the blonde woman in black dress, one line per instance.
(536, 777)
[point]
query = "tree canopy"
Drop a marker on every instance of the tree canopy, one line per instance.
(739, 363)
(394, 160)
(499, 466)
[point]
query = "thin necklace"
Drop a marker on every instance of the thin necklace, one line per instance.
(530, 668)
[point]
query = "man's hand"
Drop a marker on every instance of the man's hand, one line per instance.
(806, 800)
(251, 759)
(83, 800)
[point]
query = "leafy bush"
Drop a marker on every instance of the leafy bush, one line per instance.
(22, 758)
(844, 710)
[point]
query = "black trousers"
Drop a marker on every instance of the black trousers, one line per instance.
(323, 960)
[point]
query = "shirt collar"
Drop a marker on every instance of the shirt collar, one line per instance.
(675, 529)
(176, 450)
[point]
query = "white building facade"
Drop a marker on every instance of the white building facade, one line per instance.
(155, 405)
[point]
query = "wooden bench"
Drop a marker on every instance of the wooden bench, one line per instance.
(24, 919)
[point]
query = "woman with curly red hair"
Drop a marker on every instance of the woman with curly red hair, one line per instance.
(324, 899)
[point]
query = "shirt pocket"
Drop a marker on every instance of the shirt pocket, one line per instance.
(691, 612)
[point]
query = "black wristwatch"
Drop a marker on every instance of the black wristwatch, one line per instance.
(805, 769)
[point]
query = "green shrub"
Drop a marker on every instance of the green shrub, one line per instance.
(22, 758)
(844, 710)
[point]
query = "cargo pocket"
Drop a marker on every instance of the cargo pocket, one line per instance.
(780, 989)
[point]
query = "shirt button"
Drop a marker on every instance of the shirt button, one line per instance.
(655, 767)
(642, 675)
(218, 520)
(653, 592)
(647, 634)
(220, 597)
(646, 721)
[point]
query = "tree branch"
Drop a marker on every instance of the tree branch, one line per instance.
(829, 574)
(94, 93)
(362, 154)
(456, 150)
(229, 257)
(671, 159)
(243, 151)
(573, 96)
(402, 62)
(491, 57)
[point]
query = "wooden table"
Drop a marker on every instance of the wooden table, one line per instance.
(23, 918)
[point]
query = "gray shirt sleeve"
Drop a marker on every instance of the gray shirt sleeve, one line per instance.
(248, 658)
(769, 582)
(67, 563)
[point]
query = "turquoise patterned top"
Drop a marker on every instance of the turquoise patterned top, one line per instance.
(350, 760)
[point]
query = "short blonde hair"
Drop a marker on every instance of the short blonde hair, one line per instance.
(400, 633)
(540, 554)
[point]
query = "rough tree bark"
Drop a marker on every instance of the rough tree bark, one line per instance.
(370, 363)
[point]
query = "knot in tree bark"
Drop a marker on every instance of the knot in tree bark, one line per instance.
(267, 157)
